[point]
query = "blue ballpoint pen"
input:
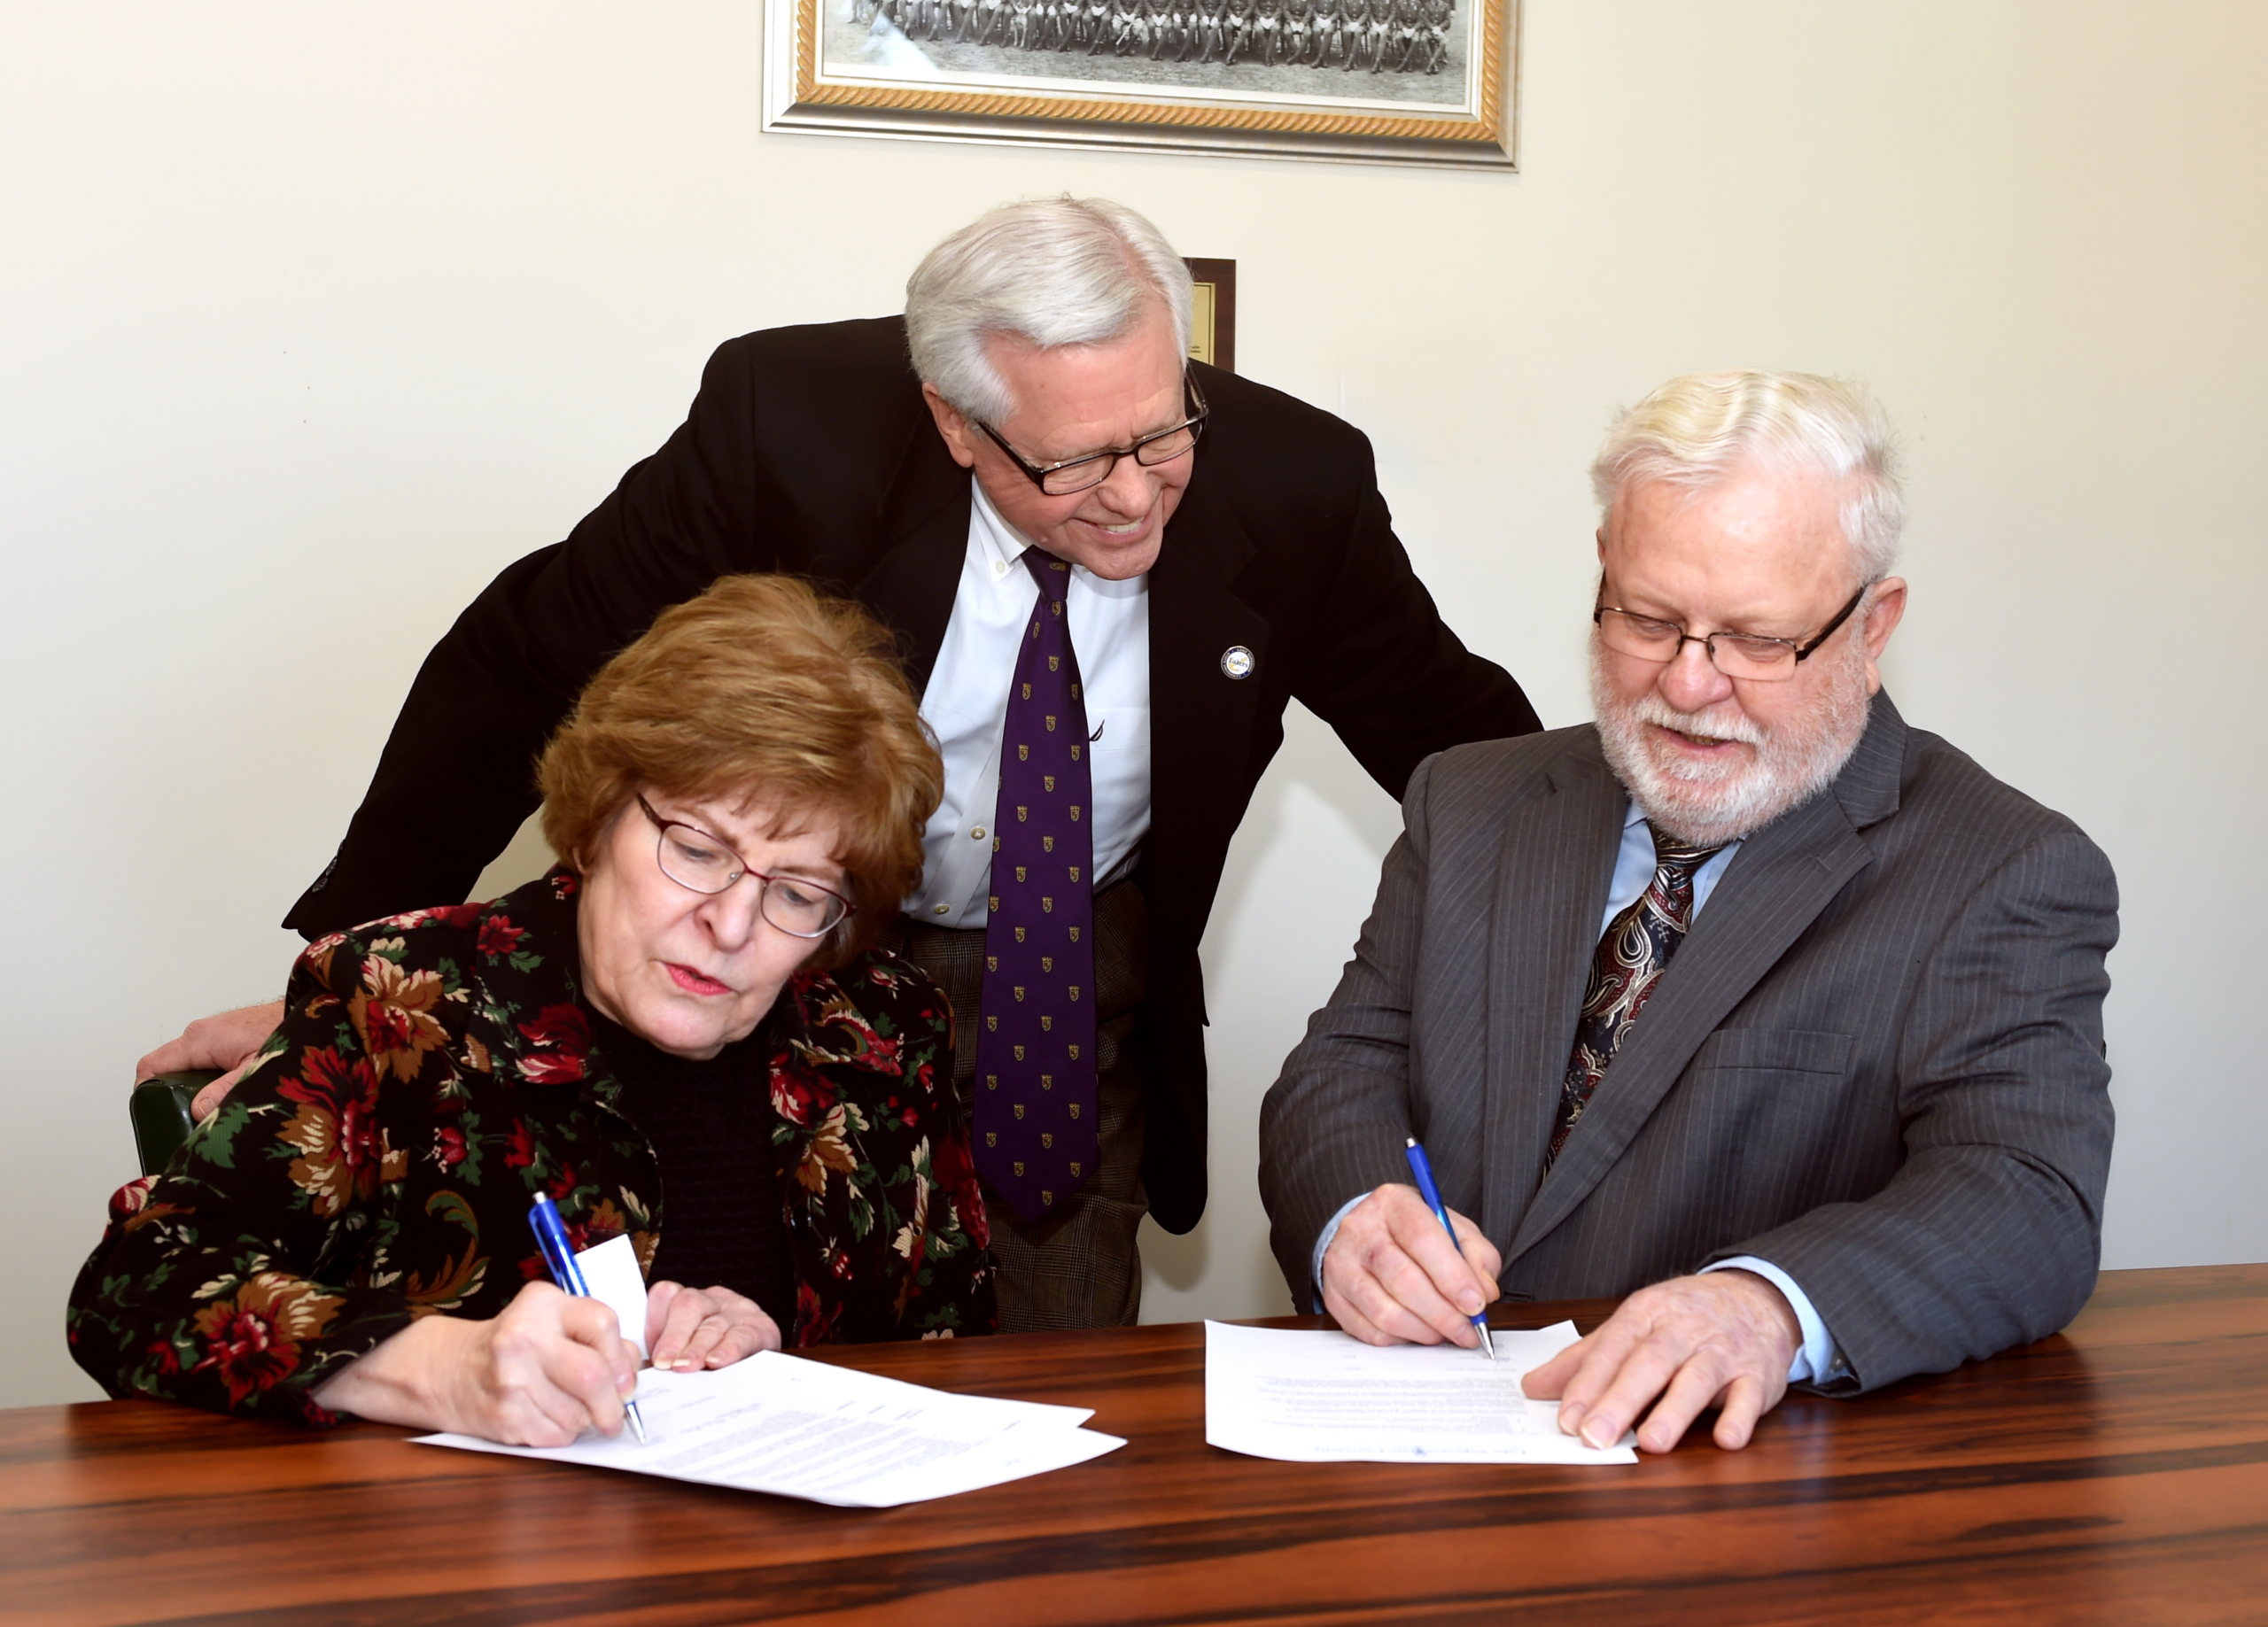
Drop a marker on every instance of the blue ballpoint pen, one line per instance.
(1432, 1193)
(551, 1241)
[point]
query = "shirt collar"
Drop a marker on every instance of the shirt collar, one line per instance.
(1002, 543)
(1634, 815)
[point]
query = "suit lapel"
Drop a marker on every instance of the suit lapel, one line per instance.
(1557, 866)
(1775, 886)
(1201, 718)
(925, 509)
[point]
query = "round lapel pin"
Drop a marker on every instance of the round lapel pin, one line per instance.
(1236, 661)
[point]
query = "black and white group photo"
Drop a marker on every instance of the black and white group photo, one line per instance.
(1362, 50)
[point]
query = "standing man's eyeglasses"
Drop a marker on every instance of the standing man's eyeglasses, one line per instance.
(1077, 474)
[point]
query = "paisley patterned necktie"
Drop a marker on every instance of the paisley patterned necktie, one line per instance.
(1036, 1135)
(1631, 958)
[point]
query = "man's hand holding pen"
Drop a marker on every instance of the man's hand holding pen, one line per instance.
(1393, 1275)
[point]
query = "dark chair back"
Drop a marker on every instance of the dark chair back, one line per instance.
(162, 1121)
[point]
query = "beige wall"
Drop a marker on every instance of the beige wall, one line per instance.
(310, 318)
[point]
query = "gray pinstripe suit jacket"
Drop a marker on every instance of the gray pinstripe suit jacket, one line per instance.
(1876, 1063)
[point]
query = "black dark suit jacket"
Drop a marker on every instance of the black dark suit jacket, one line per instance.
(809, 450)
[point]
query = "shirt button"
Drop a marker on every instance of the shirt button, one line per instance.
(944, 909)
(977, 835)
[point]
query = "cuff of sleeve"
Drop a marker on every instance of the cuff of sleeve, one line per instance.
(1816, 1357)
(1322, 1247)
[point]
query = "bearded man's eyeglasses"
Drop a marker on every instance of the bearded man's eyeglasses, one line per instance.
(1091, 470)
(698, 861)
(1736, 654)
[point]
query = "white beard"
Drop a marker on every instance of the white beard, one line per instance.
(1710, 803)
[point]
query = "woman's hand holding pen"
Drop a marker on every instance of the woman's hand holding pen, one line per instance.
(689, 1329)
(1391, 1275)
(550, 1368)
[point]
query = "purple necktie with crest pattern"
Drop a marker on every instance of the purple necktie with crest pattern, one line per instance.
(1631, 957)
(1036, 1135)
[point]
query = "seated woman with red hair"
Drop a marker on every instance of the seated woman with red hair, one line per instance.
(679, 1035)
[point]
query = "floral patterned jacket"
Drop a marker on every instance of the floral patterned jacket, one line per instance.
(433, 1073)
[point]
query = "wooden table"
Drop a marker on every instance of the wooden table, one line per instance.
(2118, 1472)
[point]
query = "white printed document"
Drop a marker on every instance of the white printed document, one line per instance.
(793, 1428)
(1324, 1398)
(610, 1272)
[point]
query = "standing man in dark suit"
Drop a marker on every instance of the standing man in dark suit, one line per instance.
(1106, 702)
(1861, 1129)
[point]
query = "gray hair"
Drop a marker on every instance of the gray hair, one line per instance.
(1698, 430)
(1053, 272)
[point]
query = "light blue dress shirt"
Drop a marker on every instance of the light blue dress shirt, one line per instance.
(1634, 872)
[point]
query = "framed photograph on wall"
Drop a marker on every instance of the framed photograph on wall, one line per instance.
(1391, 81)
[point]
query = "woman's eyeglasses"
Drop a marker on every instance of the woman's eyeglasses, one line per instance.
(698, 861)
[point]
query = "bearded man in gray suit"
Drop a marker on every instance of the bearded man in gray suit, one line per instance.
(1749, 1002)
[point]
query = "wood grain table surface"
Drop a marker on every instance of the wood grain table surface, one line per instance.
(2116, 1472)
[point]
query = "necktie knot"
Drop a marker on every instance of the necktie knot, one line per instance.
(1677, 860)
(1053, 575)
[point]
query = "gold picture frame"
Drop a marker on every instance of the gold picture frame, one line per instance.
(1381, 82)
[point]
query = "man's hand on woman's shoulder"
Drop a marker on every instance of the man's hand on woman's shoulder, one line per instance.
(227, 1040)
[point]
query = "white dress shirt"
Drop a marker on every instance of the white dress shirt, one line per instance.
(967, 705)
(1634, 865)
